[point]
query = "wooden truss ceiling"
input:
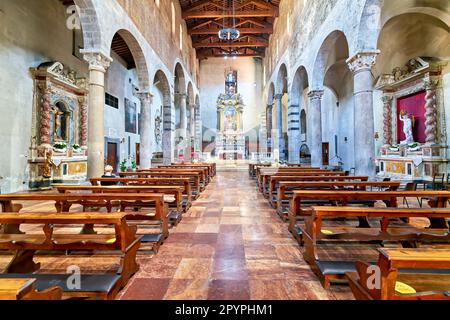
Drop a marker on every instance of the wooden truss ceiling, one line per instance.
(254, 20)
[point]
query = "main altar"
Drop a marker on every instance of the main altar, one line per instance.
(230, 143)
(414, 128)
(58, 150)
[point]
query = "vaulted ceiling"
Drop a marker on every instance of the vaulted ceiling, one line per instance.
(254, 20)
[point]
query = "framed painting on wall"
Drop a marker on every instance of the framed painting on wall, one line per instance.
(130, 117)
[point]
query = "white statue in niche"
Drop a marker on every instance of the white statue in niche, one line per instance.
(407, 127)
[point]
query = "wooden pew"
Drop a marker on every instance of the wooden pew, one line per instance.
(345, 198)
(202, 173)
(316, 233)
(284, 190)
(23, 289)
(194, 178)
(184, 182)
(252, 167)
(265, 177)
(271, 170)
(209, 168)
(175, 215)
(424, 275)
(24, 246)
(63, 203)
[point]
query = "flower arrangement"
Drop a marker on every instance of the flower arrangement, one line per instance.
(76, 148)
(123, 165)
(394, 147)
(60, 147)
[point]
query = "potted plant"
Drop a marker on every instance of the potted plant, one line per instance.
(60, 147)
(76, 148)
(134, 165)
(123, 166)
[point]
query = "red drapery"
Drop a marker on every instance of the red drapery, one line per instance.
(414, 105)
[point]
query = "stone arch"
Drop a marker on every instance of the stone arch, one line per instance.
(282, 80)
(139, 59)
(162, 83)
(297, 127)
(92, 35)
(333, 49)
(377, 13)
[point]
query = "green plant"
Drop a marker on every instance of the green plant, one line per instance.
(60, 145)
(133, 164)
(123, 165)
(76, 146)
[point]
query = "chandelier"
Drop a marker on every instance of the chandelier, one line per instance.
(229, 34)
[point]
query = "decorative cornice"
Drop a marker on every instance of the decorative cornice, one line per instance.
(97, 61)
(363, 61)
(315, 94)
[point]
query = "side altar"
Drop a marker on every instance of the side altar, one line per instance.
(58, 151)
(414, 131)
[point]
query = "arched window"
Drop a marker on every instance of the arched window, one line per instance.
(303, 121)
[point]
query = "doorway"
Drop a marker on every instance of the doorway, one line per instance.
(326, 153)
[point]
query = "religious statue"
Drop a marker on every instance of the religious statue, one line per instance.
(47, 170)
(407, 127)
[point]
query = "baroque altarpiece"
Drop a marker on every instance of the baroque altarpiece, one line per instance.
(414, 130)
(59, 133)
(230, 143)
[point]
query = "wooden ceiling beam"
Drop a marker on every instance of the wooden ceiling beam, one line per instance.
(230, 45)
(241, 30)
(229, 14)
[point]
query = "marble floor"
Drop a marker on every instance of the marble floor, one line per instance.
(230, 245)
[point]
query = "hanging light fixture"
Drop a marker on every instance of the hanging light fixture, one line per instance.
(229, 34)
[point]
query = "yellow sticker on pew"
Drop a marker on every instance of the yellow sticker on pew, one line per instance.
(111, 240)
(326, 231)
(403, 288)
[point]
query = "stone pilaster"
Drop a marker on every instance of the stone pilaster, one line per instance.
(98, 64)
(387, 120)
(315, 103)
(145, 129)
(280, 137)
(269, 128)
(361, 66)
(294, 133)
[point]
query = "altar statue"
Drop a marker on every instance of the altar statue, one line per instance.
(407, 127)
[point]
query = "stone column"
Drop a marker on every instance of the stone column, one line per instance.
(263, 134)
(198, 130)
(83, 122)
(387, 120)
(183, 116)
(361, 66)
(168, 134)
(280, 138)
(294, 133)
(269, 128)
(430, 113)
(98, 63)
(145, 129)
(315, 125)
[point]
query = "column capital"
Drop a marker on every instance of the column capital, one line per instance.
(144, 96)
(97, 60)
(315, 94)
(278, 96)
(387, 99)
(431, 85)
(364, 60)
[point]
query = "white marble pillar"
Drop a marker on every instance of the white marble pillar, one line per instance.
(145, 129)
(280, 137)
(168, 140)
(98, 64)
(315, 127)
(183, 116)
(361, 66)
(269, 128)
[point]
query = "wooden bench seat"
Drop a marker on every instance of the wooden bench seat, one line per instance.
(184, 182)
(123, 239)
(175, 213)
(20, 288)
(63, 202)
(208, 169)
(199, 174)
(282, 193)
(424, 273)
(343, 198)
(315, 233)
